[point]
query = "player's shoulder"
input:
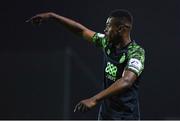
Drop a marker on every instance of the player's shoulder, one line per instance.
(100, 40)
(135, 47)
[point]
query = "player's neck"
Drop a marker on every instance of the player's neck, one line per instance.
(123, 42)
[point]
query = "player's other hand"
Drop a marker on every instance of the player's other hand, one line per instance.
(39, 18)
(85, 105)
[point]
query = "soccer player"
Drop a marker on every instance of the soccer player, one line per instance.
(124, 63)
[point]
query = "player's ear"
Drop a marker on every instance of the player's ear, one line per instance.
(122, 28)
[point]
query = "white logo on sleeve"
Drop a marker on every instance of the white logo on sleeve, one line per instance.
(135, 63)
(100, 35)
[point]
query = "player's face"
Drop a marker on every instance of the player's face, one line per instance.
(111, 29)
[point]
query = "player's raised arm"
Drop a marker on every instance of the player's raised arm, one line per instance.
(70, 24)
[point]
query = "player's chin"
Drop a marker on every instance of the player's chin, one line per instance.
(110, 40)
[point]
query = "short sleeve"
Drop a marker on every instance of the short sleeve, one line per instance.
(100, 40)
(135, 61)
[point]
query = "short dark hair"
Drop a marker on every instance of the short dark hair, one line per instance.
(123, 15)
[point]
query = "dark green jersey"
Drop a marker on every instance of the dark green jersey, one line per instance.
(130, 57)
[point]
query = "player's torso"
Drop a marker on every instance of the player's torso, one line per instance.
(115, 62)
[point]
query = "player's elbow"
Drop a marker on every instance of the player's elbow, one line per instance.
(127, 82)
(88, 34)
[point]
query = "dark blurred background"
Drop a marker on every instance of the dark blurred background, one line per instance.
(46, 70)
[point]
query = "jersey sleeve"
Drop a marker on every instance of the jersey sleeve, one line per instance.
(135, 61)
(100, 40)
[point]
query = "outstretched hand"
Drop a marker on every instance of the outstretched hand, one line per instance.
(39, 18)
(85, 105)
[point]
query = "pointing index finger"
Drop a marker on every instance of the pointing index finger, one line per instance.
(76, 107)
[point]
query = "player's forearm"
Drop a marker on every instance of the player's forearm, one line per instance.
(72, 25)
(118, 87)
